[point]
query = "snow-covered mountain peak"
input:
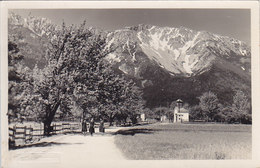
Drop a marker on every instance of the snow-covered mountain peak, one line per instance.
(38, 25)
(181, 51)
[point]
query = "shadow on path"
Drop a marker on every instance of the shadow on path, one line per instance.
(134, 131)
(44, 144)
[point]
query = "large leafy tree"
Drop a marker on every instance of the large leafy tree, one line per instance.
(18, 77)
(241, 106)
(74, 61)
(209, 104)
(118, 97)
(76, 74)
(240, 103)
(133, 103)
(111, 94)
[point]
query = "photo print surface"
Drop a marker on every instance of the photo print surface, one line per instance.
(128, 84)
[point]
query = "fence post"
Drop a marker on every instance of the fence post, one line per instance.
(40, 129)
(31, 132)
(24, 134)
(14, 134)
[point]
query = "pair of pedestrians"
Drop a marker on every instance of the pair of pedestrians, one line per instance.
(92, 126)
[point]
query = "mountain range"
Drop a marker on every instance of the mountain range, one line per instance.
(167, 63)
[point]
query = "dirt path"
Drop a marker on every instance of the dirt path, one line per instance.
(68, 151)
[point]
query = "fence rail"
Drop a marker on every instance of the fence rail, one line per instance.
(22, 135)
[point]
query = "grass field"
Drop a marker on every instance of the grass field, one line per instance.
(185, 141)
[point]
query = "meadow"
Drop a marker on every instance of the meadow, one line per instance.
(185, 141)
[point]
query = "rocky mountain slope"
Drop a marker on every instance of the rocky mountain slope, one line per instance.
(180, 51)
(31, 34)
(171, 63)
(167, 63)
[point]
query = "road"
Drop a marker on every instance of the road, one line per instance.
(72, 150)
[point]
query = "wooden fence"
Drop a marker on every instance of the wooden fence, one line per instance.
(22, 135)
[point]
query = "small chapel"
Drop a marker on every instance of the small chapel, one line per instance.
(180, 114)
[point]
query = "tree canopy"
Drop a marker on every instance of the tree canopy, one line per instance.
(77, 74)
(209, 104)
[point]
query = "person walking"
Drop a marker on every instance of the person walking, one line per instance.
(101, 126)
(84, 127)
(92, 126)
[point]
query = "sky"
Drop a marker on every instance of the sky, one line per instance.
(228, 22)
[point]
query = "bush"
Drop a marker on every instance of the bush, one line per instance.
(196, 113)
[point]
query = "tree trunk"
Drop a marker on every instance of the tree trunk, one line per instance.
(47, 127)
(111, 119)
(50, 113)
(133, 119)
(125, 121)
